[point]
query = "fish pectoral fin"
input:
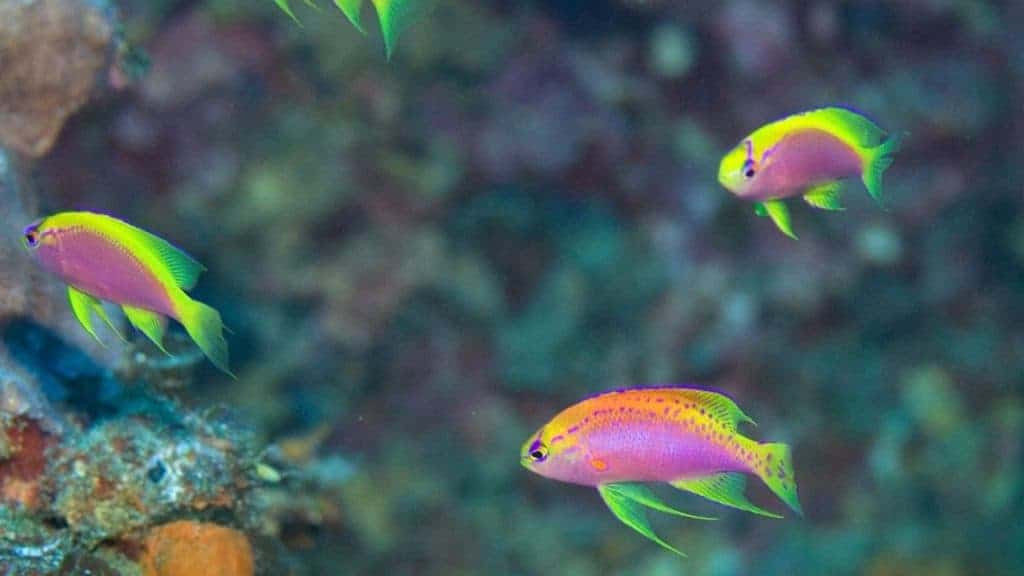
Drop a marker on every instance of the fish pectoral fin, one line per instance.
(631, 513)
(150, 323)
(725, 488)
(825, 196)
(779, 213)
(84, 306)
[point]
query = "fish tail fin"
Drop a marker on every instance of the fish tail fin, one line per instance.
(206, 329)
(777, 474)
(877, 160)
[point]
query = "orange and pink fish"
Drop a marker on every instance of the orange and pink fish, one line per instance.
(621, 441)
(102, 258)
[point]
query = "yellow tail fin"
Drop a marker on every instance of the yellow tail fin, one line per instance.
(778, 474)
(204, 326)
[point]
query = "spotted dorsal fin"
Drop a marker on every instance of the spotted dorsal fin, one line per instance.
(722, 408)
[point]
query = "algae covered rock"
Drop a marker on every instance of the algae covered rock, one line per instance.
(51, 52)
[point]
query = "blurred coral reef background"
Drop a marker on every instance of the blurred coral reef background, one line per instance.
(423, 260)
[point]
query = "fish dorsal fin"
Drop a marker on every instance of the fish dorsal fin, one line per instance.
(857, 126)
(149, 323)
(722, 408)
(825, 196)
(726, 488)
(83, 306)
(183, 268)
(619, 499)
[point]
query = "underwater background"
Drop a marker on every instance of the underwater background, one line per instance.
(424, 258)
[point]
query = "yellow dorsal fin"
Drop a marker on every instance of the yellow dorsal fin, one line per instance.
(722, 408)
(184, 269)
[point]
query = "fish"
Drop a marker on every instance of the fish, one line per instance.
(808, 154)
(393, 16)
(102, 258)
(622, 441)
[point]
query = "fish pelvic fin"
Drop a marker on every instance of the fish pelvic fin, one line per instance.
(725, 488)
(394, 16)
(825, 196)
(876, 161)
(150, 323)
(206, 329)
(287, 9)
(352, 10)
(777, 474)
(779, 213)
(84, 306)
(631, 513)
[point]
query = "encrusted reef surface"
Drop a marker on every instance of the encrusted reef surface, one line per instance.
(101, 472)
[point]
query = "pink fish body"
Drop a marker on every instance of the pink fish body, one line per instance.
(86, 259)
(686, 437)
(102, 258)
(806, 159)
(810, 155)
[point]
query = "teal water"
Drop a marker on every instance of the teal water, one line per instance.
(424, 259)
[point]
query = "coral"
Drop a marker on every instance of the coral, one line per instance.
(188, 548)
(121, 474)
(51, 52)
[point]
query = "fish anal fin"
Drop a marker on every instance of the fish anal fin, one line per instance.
(825, 196)
(631, 513)
(725, 488)
(779, 213)
(150, 323)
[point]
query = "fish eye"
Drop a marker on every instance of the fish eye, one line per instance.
(539, 454)
(31, 238)
(749, 173)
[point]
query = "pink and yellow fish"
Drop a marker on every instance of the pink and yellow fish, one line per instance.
(808, 155)
(686, 437)
(103, 258)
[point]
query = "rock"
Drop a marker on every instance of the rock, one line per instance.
(51, 54)
(189, 548)
(122, 474)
